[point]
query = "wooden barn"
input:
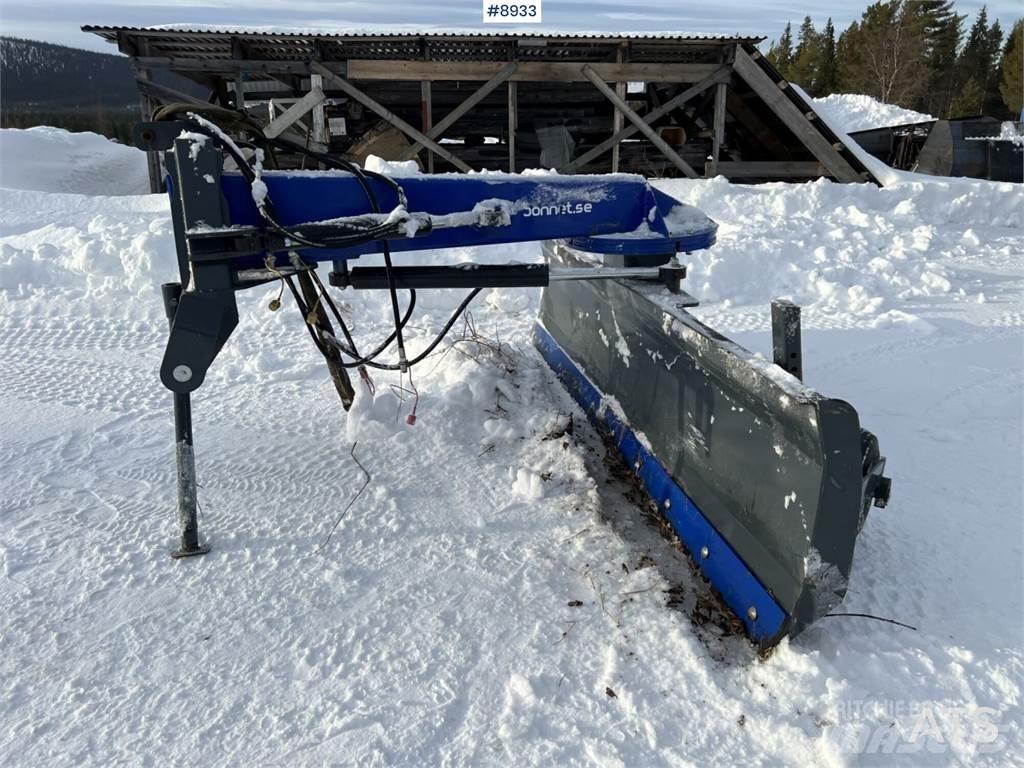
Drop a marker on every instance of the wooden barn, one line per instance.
(659, 105)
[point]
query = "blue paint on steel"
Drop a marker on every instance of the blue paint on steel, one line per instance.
(652, 245)
(737, 585)
(657, 239)
(543, 208)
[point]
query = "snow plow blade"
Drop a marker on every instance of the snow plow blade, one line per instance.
(766, 481)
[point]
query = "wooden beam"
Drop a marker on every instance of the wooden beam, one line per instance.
(528, 71)
(513, 124)
(296, 138)
(240, 91)
(638, 121)
(793, 117)
(146, 104)
(715, 77)
(770, 169)
(165, 94)
(320, 132)
(717, 130)
(225, 66)
(427, 116)
(293, 113)
(474, 98)
(343, 85)
(616, 118)
(152, 158)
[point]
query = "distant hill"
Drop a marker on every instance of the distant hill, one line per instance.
(47, 84)
(49, 76)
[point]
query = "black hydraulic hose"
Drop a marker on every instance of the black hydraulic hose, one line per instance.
(378, 232)
(433, 345)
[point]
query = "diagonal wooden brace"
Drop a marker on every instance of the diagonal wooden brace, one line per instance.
(475, 98)
(335, 81)
(638, 121)
(793, 117)
(719, 76)
(291, 115)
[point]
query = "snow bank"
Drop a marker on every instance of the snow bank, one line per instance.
(54, 160)
(856, 112)
(849, 251)
(883, 173)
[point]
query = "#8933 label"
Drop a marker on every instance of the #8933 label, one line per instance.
(512, 13)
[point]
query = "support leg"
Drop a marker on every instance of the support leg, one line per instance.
(188, 523)
(786, 337)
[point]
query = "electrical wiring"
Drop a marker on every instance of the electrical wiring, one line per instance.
(430, 347)
(350, 235)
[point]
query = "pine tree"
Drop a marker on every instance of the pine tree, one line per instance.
(993, 102)
(781, 54)
(828, 71)
(1011, 86)
(941, 30)
(807, 58)
(968, 99)
(975, 68)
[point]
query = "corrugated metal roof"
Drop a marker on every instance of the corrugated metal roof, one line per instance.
(294, 45)
(171, 31)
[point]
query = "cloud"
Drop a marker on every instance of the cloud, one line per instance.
(59, 20)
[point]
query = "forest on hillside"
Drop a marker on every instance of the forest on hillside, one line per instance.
(917, 54)
(48, 84)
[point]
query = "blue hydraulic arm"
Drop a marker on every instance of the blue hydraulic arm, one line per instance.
(456, 210)
(236, 230)
(242, 228)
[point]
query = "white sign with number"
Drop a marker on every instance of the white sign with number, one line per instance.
(512, 13)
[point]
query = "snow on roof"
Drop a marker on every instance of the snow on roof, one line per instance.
(401, 30)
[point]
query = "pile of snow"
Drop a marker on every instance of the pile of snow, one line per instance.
(852, 112)
(54, 160)
(474, 606)
(1012, 132)
(396, 168)
(851, 253)
(842, 123)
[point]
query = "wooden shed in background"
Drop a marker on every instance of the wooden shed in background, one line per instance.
(659, 105)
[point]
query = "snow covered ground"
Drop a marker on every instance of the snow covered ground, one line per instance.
(439, 624)
(51, 159)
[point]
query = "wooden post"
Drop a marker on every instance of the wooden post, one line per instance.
(240, 91)
(342, 84)
(513, 124)
(156, 180)
(638, 121)
(427, 104)
(718, 130)
(427, 116)
(620, 91)
(316, 83)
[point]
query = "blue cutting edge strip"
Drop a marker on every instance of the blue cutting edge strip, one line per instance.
(727, 573)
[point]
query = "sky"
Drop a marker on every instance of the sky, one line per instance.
(59, 20)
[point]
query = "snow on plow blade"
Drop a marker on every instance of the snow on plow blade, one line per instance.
(765, 481)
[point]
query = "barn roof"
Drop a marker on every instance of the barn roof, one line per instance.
(292, 44)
